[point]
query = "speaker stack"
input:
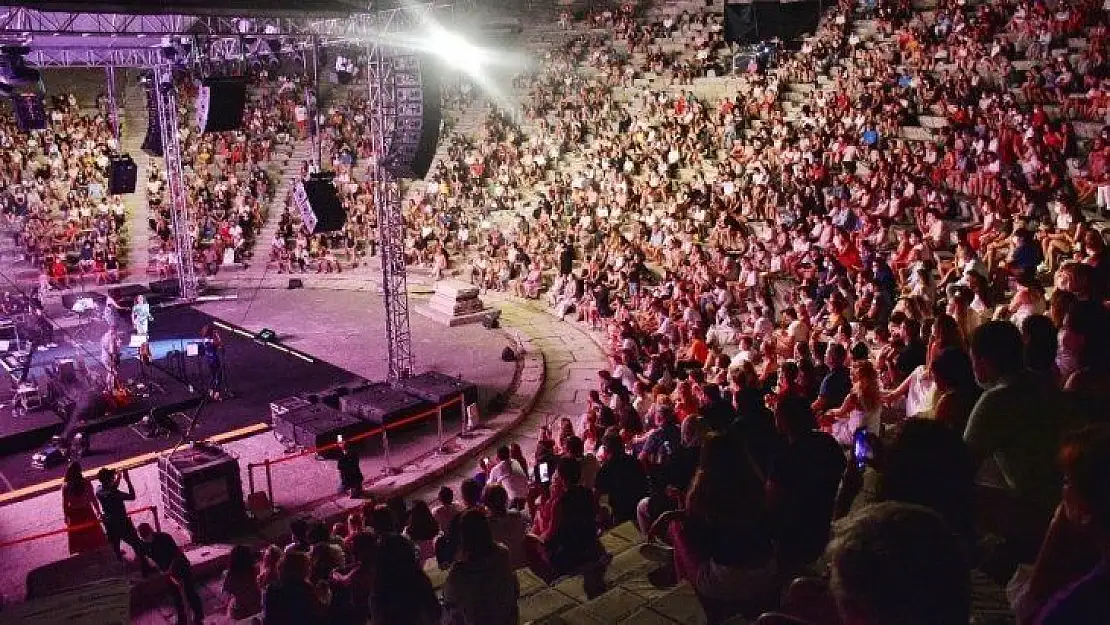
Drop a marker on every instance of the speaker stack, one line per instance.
(416, 131)
(122, 174)
(220, 104)
(316, 425)
(202, 492)
(317, 200)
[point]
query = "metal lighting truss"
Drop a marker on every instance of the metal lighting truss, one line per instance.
(175, 179)
(391, 221)
(89, 39)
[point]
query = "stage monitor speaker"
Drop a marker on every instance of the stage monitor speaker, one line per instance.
(419, 101)
(295, 283)
(122, 174)
(318, 203)
(220, 104)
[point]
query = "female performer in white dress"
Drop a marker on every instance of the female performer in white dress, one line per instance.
(141, 317)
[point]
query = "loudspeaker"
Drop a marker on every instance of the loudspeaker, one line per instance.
(318, 203)
(415, 134)
(202, 492)
(152, 142)
(30, 111)
(296, 283)
(122, 174)
(220, 104)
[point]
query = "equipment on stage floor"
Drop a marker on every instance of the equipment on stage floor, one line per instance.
(202, 492)
(284, 406)
(382, 404)
(439, 388)
(317, 425)
(266, 335)
(52, 455)
(28, 395)
(67, 370)
(122, 174)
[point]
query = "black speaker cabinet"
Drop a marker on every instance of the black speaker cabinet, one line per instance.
(419, 115)
(122, 174)
(317, 425)
(220, 104)
(381, 404)
(202, 492)
(317, 200)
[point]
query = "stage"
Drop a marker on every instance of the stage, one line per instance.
(345, 328)
(175, 383)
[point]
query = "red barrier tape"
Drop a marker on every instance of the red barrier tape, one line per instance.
(77, 528)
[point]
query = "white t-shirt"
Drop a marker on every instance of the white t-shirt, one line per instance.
(511, 475)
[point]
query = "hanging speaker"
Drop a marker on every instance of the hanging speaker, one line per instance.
(317, 200)
(419, 112)
(152, 142)
(220, 104)
(122, 174)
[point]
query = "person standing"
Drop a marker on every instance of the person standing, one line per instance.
(164, 552)
(141, 316)
(350, 473)
(113, 514)
(82, 512)
(212, 349)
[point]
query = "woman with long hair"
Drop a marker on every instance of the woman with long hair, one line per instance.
(240, 584)
(82, 512)
(481, 587)
(919, 388)
(722, 537)
(403, 596)
(422, 529)
(862, 408)
(956, 390)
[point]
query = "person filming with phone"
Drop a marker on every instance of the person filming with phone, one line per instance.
(117, 524)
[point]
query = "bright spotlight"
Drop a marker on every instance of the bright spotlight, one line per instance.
(457, 52)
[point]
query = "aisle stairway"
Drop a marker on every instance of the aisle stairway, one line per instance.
(135, 120)
(289, 174)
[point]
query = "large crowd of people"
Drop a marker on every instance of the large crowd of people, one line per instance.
(55, 197)
(228, 184)
(859, 340)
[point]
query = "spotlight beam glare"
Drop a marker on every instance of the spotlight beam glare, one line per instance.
(489, 69)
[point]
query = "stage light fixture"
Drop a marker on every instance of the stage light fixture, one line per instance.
(457, 52)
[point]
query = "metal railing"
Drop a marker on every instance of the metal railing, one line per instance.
(268, 464)
(65, 529)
